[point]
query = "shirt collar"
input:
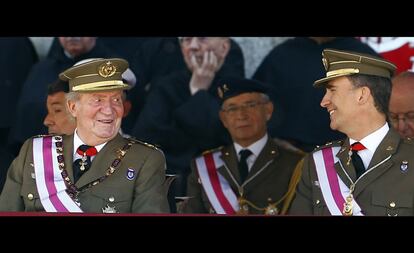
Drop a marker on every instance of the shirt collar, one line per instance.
(372, 141)
(77, 142)
(256, 147)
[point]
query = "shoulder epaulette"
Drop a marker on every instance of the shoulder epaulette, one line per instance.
(408, 140)
(328, 144)
(212, 150)
(43, 135)
(149, 145)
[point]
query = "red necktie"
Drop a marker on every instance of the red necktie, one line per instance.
(81, 165)
(356, 159)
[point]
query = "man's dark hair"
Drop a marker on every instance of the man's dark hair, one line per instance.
(58, 86)
(380, 88)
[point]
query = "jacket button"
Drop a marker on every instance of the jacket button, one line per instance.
(30, 196)
(392, 204)
(318, 201)
(111, 199)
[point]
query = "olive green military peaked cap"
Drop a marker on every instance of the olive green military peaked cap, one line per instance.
(96, 75)
(344, 63)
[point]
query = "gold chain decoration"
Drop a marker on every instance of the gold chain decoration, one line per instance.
(271, 209)
(74, 191)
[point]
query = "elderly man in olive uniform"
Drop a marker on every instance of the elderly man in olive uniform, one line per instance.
(252, 175)
(368, 173)
(110, 174)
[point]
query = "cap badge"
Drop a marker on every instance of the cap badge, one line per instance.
(107, 69)
(220, 92)
(225, 88)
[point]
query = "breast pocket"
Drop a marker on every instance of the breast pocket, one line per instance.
(31, 198)
(401, 205)
(109, 200)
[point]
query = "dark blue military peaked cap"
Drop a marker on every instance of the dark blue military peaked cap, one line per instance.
(230, 87)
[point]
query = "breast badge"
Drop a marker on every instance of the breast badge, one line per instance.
(130, 174)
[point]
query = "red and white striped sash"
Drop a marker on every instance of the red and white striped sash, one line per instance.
(334, 190)
(218, 190)
(49, 181)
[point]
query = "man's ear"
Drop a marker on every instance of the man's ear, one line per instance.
(223, 118)
(72, 108)
(269, 110)
(365, 94)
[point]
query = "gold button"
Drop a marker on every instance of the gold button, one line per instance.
(30, 196)
(392, 204)
(318, 201)
(111, 199)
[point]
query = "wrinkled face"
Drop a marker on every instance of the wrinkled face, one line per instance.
(198, 46)
(98, 115)
(76, 46)
(245, 117)
(58, 119)
(401, 109)
(340, 100)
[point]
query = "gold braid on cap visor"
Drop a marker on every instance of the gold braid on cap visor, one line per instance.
(100, 85)
(342, 72)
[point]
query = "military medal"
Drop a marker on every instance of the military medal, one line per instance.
(243, 206)
(349, 157)
(109, 209)
(348, 206)
(83, 162)
(271, 210)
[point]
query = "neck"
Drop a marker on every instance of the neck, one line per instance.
(92, 141)
(365, 128)
(246, 143)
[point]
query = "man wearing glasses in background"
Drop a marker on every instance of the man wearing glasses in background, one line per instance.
(401, 108)
(252, 175)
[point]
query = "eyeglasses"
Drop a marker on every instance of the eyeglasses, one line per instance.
(247, 107)
(406, 117)
(187, 40)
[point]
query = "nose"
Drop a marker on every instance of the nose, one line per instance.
(194, 43)
(325, 101)
(48, 121)
(107, 108)
(242, 113)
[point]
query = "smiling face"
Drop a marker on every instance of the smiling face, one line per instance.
(401, 107)
(245, 117)
(340, 100)
(98, 115)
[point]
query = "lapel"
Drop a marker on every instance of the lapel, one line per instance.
(387, 147)
(229, 157)
(68, 154)
(102, 161)
(343, 156)
(270, 152)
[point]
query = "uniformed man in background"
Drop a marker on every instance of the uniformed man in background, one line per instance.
(368, 173)
(110, 174)
(252, 175)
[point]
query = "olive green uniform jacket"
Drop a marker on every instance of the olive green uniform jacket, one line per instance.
(145, 193)
(269, 185)
(385, 190)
